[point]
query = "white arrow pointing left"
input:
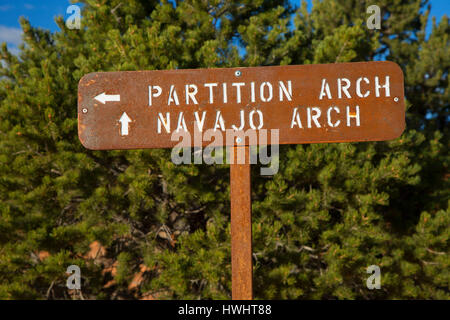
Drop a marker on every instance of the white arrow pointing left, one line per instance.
(102, 97)
(124, 120)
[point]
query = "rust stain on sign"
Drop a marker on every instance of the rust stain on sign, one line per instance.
(361, 101)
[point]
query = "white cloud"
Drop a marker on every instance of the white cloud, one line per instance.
(5, 7)
(12, 36)
(28, 6)
(14, 50)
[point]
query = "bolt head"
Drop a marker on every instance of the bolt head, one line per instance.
(238, 140)
(237, 73)
(396, 99)
(84, 110)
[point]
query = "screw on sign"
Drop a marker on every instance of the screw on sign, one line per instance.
(345, 102)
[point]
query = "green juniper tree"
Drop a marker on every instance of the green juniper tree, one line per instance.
(140, 226)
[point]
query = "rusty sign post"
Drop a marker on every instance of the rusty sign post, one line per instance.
(343, 102)
(241, 227)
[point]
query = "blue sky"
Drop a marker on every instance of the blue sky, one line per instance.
(42, 13)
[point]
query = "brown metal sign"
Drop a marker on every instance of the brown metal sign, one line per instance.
(361, 101)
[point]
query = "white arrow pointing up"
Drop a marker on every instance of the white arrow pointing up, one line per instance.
(102, 97)
(124, 120)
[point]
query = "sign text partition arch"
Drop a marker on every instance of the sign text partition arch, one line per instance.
(343, 102)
